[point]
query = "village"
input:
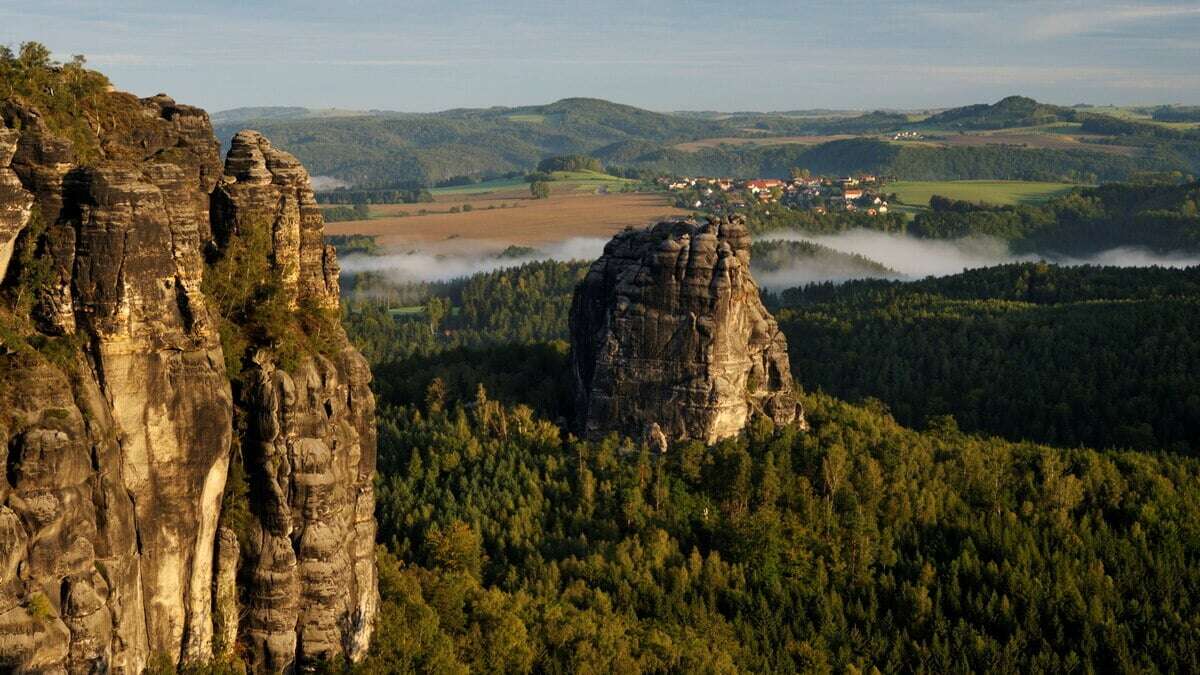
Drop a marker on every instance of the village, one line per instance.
(821, 194)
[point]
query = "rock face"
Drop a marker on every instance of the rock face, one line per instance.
(118, 414)
(310, 443)
(670, 341)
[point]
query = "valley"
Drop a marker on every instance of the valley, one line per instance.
(583, 387)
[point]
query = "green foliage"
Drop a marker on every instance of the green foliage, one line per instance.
(512, 546)
(1179, 113)
(805, 256)
(539, 189)
(1162, 217)
(39, 607)
(398, 148)
(570, 163)
(337, 214)
(348, 244)
(162, 664)
(1065, 355)
(859, 544)
(235, 502)
(247, 291)
(762, 218)
(384, 195)
(1010, 112)
(31, 266)
(902, 161)
(247, 294)
(62, 93)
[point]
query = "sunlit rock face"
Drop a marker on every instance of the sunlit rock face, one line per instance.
(670, 340)
(119, 440)
(309, 571)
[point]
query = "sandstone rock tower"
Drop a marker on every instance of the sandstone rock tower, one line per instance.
(670, 341)
(117, 411)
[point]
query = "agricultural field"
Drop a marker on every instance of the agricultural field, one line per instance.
(496, 220)
(1003, 192)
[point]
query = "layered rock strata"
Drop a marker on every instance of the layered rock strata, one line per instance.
(118, 414)
(670, 341)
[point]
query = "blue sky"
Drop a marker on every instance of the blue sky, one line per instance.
(664, 55)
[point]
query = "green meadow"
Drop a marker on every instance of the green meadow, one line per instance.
(1003, 192)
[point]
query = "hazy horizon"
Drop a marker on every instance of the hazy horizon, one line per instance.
(351, 111)
(671, 56)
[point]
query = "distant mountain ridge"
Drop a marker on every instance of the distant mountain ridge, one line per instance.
(375, 148)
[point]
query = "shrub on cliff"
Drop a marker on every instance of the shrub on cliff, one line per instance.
(68, 95)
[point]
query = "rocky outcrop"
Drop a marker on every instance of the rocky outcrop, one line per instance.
(670, 341)
(118, 411)
(16, 204)
(309, 447)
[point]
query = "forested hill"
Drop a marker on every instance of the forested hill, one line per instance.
(397, 147)
(900, 160)
(1162, 217)
(1103, 357)
(1007, 113)
(392, 148)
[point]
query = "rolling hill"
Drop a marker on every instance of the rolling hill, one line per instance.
(1007, 113)
(421, 148)
(381, 148)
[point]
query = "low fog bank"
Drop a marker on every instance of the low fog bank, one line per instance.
(914, 258)
(416, 266)
(327, 183)
(906, 257)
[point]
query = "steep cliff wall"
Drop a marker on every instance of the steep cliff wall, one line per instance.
(670, 341)
(131, 383)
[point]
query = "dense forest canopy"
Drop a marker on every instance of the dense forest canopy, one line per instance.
(1159, 216)
(509, 545)
(1102, 357)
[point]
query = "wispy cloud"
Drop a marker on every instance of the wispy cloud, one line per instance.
(1070, 23)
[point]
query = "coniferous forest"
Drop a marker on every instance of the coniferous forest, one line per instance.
(920, 525)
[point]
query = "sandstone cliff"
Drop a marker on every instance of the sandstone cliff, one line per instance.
(133, 385)
(670, 341)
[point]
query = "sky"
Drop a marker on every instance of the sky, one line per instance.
(664, 55)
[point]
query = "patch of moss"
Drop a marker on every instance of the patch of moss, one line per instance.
(39, 608)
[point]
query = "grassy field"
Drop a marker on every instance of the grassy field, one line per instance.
(480, 188)
(530, 119)
(990, 191)
(573, 181)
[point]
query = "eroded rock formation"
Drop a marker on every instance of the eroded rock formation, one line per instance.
(670, 341)
(117, 411)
